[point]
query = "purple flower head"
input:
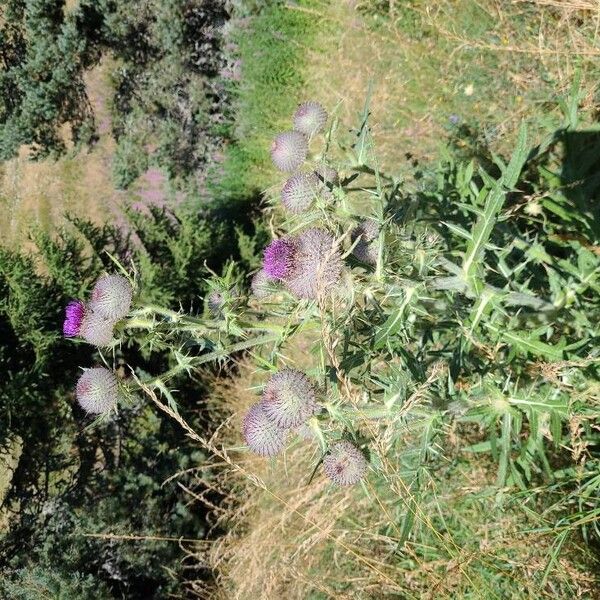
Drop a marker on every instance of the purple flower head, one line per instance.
(111, 297)
(74, 314)
(317, 264)
(289, 398)
(261, 434)
(289, 150)
(344, 464)
(97, 390)
(310, 118)
(278, 258)
(215, 302)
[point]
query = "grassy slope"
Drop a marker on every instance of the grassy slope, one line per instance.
(493, 65)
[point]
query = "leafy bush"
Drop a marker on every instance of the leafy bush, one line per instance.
(69, 480)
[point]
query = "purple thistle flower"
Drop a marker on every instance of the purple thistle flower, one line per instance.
(96, 330)
(97, 390)
(111, 297)
(317, 264)
(289, 398)
(261, 434)
(278, 258)
(310, 118)
(344, 464)
(74, 314)
(299, 191)
(289, 150)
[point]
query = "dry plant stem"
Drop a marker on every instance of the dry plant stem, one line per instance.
(209, 444)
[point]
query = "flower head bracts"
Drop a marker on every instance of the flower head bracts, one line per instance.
(364, 235)
(111, 297)
(96, 330)
(344, 464)
(215, 302)
(327, 175)
(317, 264)
(289, 398)
(299, 191)
(289, 150)
(74, 314)
(97, 390)
(261, 285)
(261, 434)
(279, 258)
(310, 118)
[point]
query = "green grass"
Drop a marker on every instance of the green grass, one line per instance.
(273, 50)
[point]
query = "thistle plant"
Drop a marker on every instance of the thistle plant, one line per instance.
(310, 118)
(74, 314)
(262, 435)
(299, 192)
(344, 463)
(96, 329)
(425, 310)
(111, 297)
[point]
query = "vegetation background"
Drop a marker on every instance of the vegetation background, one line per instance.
(143, 128)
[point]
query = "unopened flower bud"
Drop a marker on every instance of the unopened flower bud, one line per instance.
(261, 434)
(310, 118)
(289, 150)
(344, 464)
(97, 390)
(111, 297)
(289, 398)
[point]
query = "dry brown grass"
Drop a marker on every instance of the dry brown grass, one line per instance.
(288, 538)
(39, 193)
(496, 75)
